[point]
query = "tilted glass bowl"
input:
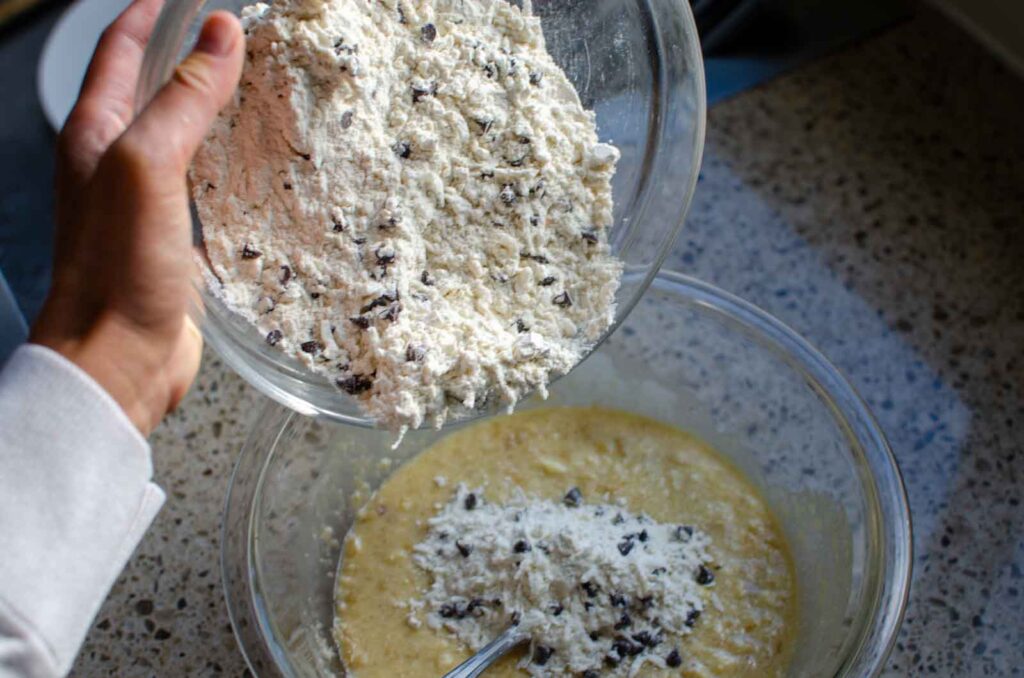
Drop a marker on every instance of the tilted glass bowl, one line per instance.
(636, 63)
(689, 355)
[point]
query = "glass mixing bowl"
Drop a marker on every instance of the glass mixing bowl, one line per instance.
(637, 64)
(689, 355)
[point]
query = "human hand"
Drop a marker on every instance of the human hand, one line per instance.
(123, 259)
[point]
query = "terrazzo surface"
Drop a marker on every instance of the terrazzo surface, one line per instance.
(874, 201)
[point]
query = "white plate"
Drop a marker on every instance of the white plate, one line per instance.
(67, 52)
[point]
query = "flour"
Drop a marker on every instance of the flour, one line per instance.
(597, 588)
(408, 196)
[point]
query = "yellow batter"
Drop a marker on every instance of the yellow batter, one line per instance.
(749, 614)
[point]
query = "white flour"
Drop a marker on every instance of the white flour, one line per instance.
(408, 196)
(598, 589)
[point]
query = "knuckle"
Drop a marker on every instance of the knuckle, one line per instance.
(194, 74)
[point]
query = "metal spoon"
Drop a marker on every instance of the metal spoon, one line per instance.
(488, 654)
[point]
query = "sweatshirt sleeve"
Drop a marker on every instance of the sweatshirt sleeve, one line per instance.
(75, 499)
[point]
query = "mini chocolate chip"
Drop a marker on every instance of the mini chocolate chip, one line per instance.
(673, 660)
(429, 32)
(508, 194)
(612, 660)
(419, 93)
(625, 621)
(515, 618)
(286, 274)
(594, 635)
(490, 70)
(522, 546)
(427, 279)
(162, 634)
(534, 220)
(392, 313)
(536, 77)
(563, 300)
(487, 174)
(646, 601)
(704, 576)
(625, 546)
(403, 149)
(384, 256)
(618, 519)
(382, 300)
(573, 498)
(691, 618)
(557, 609)
(539, 258)
(470, 501)
(346, 119)
(646, 639)
(590, 236)
(548, 281)
(337, 226)
(144, 607)
(591, 673)
(274, 337)
(590, 588)
(415, 354)
(287, 186)
(683, 533)
(250, 252)
(643, 536)
(401, 15)
(464, 549)
(359, 241)
(521, 326)
(617, 600)
(524, 140)
(355, 384)
(626, 648)
(541, 654)
(449, 610)
(658, 571)
(360, 322)
(314, 295)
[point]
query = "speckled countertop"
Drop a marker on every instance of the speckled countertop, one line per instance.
(875, 202)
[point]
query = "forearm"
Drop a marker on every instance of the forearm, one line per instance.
(75, 499)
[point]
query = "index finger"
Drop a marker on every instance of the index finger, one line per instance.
(106, 101)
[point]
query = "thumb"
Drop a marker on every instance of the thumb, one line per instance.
(173, 125)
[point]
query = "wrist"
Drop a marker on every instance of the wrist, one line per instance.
(119, 359)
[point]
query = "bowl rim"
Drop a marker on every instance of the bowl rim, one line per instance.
(884, 614)
(250, 362)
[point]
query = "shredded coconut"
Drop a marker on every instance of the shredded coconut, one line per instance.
(408, 196)
(595, 587)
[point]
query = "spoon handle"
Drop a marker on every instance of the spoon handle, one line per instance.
(488, 654)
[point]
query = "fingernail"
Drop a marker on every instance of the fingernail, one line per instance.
(215, 38)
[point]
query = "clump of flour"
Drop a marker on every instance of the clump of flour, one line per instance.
(408, 196)
(599, 590)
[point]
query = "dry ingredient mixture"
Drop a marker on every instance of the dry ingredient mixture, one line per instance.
(408, 196)
(598, 590)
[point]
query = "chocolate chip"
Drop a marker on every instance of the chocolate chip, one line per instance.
(618, 600)
(658, 571)
(274, 337)
(508, 194)
(521, 326)
(618, 519)
(419, 93)
(449, 611)
(647, 639)
(539, 258)
(287, 186)
(250, 252)
(514, 618)
(683, 533)
(534, 220)
(490, 70)
(144, 607)
(573, 498)
(704, 576)
(464, 549)
(286, 274)
(541, 654)
(383, 300)
(625, 621)
(646, 601)
(590, 588)
(428, 32)
(590, 236)
(557, 609)
(625, 546)
(355, 384)
(548, 281)
(563, 300)
(611, 660)
(337, 226)
(522, 546)
(403, 149)
(384, 256)
(642, 536)
(392, 313)
(470, 502)
(360, 322)
(314, 295)
(359, 241)
(594, 635)
(536, 77)
(691, 618)
(415, 354)
(162, 634)
(626, 648)
(346, 119)
(427, 279)
(673, 660)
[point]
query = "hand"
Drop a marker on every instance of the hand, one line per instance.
(123, 260)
